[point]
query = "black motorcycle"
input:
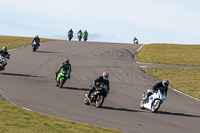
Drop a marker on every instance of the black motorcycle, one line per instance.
(97, 96)
(70, 37)
(3, 61)
(35, 46)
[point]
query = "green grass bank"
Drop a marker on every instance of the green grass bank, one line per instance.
(182, 79)
(16, 120)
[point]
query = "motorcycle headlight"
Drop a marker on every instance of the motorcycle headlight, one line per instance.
(62, 74)
(66, 75)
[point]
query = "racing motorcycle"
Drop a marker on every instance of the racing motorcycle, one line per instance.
(3, 61)
(154, 101)
(61, 78)
(35, 46)
(79, 36)
(97, 96)
(135, 41)
(70, 37)
(85, 37)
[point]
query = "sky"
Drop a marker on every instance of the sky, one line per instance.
(118, 21)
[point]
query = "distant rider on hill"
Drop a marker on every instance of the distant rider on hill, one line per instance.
(37, 40)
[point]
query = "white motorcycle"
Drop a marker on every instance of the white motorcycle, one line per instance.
(3, 62)
(135, 41)
(154, 101)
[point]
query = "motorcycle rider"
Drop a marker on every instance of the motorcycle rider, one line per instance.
(98, 81)
(79, 32)
(164, 84)
(66, 65)
(4, 54)
(135, 39)
(85, 33)
(70, 32)
(37, 40)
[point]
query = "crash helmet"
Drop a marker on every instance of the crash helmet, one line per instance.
(105, 75)
(70, 30)
(165, 82)
(66, 61)
(4, 49)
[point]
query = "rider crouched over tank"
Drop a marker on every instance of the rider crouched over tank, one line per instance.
(37, 40)
(66, 66)
(99, 91)
(160, 85)
(4, 54)
(98, 81)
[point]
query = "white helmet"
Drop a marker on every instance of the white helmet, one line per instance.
(165, 82)
(4, 49)
(105, 75)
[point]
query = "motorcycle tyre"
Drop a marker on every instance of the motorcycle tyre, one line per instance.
(142, 105)
(158, 106)
(61, 83)
(86, 101)
(98, 105)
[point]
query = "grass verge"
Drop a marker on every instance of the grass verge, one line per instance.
(173, 54)
(17, 120)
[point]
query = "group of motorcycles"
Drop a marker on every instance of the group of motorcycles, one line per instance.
(80, 36)
(97, 97)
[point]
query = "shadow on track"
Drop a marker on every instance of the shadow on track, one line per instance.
(46, 52)
(21, 75)
(176, 114)
(120, 109)
(73, 88)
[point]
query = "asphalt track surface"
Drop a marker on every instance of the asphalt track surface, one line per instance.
(28, 81)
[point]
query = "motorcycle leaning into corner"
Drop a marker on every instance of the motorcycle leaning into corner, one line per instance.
(35, 46)
(97, 96)
(154, 101)
(61, 78)
(3, 61)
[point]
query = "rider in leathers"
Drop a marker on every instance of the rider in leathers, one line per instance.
(5, 54)
(155, 88)
(98, 81)
(70, 32)
(66, 65)
(37, 40)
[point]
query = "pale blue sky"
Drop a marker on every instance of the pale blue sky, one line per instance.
(151, 21)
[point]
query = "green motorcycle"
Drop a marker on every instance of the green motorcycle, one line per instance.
(85, 36)
(79, 36)
(62, 77)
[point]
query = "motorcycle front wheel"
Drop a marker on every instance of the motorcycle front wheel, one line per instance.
(99, 101)
(155, 106)
(142, 105)
(86, 101)
(61, 83)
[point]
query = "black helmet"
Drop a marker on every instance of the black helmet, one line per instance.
(165, 82)
(67, 61)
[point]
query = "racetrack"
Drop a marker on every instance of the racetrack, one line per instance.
(28, 80)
